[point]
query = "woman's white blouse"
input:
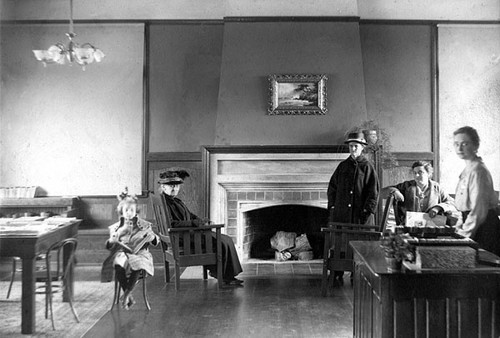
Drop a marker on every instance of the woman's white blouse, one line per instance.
(475, 194)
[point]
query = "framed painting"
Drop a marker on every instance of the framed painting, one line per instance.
(297, 94)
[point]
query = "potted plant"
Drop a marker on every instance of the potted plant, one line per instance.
(396, 249)
(378, 140)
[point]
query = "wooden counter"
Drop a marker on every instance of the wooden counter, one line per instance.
(424, 303)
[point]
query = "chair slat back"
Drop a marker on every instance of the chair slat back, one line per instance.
(197, 243)
(208, 241)
(187, 246)
(343, 236)
(159, 210)
(200, 239)
(385, 216)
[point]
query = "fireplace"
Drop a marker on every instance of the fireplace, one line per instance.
(261, 224)
(248, 186)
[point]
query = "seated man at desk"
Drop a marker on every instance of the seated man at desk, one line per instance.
(170, 183)
(421, 194)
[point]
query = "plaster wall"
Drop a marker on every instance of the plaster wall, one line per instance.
(185, 65)
(96, 109)
(397, 72)
(429, 9)
(470, 95)
(69, 131)
(218, 9)
(253, 51)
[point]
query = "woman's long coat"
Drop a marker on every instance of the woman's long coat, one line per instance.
(353, 192)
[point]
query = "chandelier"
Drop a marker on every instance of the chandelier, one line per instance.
(82, 54)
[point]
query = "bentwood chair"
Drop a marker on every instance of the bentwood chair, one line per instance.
(187, 246)
(16, 267)
(116, 297)
(55, 279)
(337, 253)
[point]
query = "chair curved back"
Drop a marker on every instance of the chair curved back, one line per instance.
(160, 213)
(64, 253)
(65, 256)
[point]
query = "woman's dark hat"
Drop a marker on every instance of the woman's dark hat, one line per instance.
(356, 137)
(173, 177)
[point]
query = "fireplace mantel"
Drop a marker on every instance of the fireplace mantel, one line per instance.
(237, 177)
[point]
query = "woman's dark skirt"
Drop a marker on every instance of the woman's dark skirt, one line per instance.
(488, 232)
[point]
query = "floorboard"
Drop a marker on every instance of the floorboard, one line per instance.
(277, 300)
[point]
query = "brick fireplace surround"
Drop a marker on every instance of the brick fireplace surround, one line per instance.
(239, 179)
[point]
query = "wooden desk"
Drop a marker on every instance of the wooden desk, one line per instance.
(27, 248)
(428, 303)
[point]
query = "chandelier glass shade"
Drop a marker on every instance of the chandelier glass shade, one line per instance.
(59, 53)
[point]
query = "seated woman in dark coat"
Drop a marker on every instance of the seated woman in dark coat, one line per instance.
(170, 183)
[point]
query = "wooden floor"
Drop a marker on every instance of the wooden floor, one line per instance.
(277, 300)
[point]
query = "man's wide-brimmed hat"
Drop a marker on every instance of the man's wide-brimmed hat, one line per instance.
(356, 137)
(173, 176)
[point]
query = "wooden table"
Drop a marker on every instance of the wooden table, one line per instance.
(422, 303)
(27, 248)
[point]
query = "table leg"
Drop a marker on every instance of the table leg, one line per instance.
(68, 282)
(28, 296)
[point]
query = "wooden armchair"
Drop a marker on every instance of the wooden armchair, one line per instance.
(337, 254)
(187, 246)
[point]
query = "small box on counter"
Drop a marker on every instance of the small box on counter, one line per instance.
(445, 253)
(446, 257)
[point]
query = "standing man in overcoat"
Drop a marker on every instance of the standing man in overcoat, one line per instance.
(353, 189)
(354, 186)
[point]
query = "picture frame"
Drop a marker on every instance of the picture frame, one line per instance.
(297, 94)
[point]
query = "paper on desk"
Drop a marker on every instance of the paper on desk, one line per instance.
(5, 220)
(26, 219)
(423, 220)
(25, 229)
(59, 220)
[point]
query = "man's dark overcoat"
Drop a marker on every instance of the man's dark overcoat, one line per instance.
(353, 192)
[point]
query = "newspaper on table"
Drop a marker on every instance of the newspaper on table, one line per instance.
(423, 220)
(30, 226)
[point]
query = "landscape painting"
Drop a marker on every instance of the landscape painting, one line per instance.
(297, 94)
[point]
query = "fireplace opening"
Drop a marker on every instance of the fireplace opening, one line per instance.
(262, 224)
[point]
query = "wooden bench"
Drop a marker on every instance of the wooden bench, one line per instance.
(64, 206)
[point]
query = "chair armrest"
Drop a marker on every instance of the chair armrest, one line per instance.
(351, 226)
(164, 238)
(357, 232)
(212, 226)
(200, 228)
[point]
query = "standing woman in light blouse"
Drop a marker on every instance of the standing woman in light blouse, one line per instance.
(475, 196)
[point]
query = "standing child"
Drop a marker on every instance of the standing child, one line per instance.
(128, 241)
